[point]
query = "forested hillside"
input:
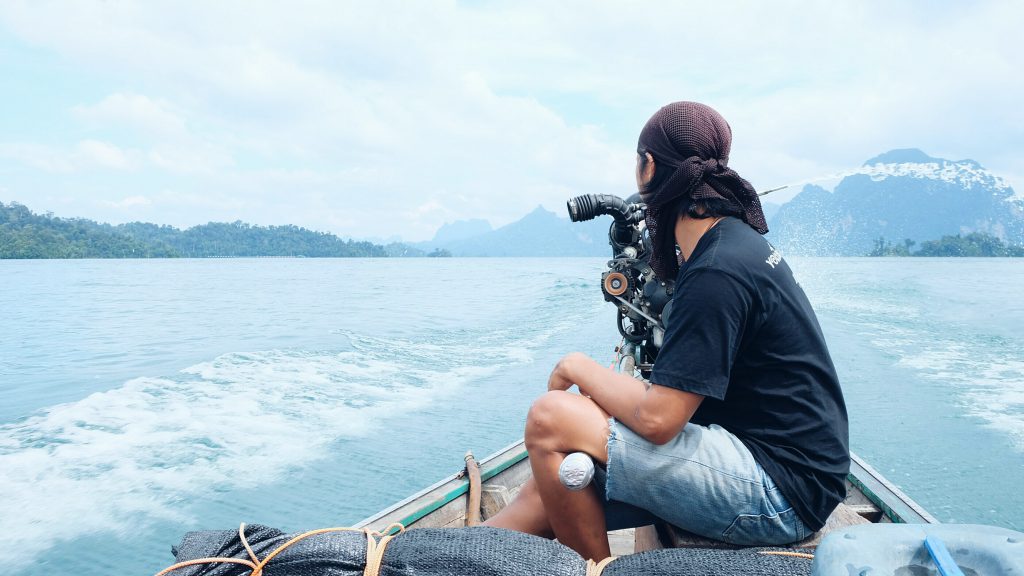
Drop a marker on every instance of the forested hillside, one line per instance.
(238, 239)
(25, 234)
(975, 244)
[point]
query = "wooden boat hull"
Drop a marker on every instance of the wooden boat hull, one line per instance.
(870, 497)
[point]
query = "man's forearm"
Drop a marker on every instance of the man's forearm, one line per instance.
(657, 414)
(616, 393)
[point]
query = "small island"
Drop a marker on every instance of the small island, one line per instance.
(975, 244)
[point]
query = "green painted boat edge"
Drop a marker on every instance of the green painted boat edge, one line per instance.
(490, 467)
(460, 490)
(896, 505)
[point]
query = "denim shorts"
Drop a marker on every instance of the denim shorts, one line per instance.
(704, 481)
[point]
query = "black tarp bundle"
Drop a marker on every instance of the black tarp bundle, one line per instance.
(478, 550)
(474, 551)
(331, 554)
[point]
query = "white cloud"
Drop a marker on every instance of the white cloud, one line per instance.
(86, 154)
(37, 156)
(131, 202)
(95, 153)
(155, 117)
(199, 157)
(488, 110)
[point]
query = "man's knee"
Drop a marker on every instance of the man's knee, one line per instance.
(547, 419)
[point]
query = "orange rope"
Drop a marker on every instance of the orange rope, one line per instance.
(374, 550)
(793, 554)
(595, 568)
(245, 542)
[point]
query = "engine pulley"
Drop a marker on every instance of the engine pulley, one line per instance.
(615, 283)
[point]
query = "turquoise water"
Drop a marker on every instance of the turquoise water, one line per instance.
(142, 399)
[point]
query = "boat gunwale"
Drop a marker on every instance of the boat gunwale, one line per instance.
(893, 502)
(490, 467)
(897, 506)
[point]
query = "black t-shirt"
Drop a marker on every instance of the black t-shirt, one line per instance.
(742, 333)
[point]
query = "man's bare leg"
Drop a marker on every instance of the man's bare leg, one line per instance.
(558, 424)
(525, 513)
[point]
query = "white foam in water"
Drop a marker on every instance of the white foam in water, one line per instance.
(992, 382)
(986, 370)
(116, 460)
(990, 375)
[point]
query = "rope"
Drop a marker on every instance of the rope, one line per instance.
(595, 568)
(374, 550)
(782, 553)
(473, 497)
(618, 354)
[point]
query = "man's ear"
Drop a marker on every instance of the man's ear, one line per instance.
(648, 171)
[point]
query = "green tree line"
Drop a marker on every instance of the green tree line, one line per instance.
(970, 245)
(25, 234)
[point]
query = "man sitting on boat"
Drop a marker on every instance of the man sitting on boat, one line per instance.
(742, 435)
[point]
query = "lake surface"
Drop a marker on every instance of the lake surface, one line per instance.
(143, 399)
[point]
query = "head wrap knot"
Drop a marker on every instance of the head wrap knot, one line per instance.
(711, 164)
(693, 141)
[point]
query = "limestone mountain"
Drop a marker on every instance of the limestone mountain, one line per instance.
(902, 194)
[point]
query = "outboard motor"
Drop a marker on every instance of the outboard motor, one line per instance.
(642, 299)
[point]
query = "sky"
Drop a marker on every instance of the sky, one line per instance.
(388, 119)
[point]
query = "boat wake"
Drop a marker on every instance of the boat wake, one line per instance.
(117, 461)
(989, 374)
(935, 330)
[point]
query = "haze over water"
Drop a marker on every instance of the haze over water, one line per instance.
(146, 398)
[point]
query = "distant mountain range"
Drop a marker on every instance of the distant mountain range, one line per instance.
(897, 196)
(539, 233)
(900, 198)
(902, 194)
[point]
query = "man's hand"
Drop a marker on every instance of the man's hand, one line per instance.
(657, 414)
(563, 376)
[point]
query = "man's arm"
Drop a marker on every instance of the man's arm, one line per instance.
(657, 413)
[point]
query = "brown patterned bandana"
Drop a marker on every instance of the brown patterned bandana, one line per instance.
(694, 141)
